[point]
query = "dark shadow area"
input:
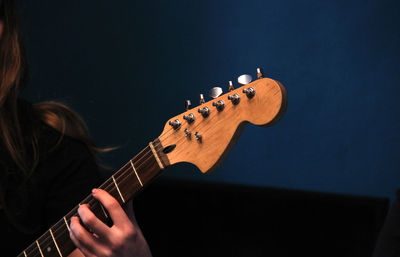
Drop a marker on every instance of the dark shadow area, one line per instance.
(201, 219)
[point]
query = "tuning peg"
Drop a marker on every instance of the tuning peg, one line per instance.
(215, 92)
(230, 83)
(235, 98)
(259, 73)
(187, 104)
(244, 79)
(250, 92)
(176, 124)
(202, 101)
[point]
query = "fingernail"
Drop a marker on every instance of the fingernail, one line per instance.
(94, 190)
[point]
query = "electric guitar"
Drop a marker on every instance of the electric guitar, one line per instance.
(202, 136)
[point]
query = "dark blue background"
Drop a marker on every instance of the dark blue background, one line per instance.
(128, 66)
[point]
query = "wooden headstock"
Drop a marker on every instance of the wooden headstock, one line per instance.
(207, 140)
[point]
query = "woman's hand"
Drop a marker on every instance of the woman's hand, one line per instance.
(124, 238)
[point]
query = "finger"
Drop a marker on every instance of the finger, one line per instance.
(83, 249)
(115, 210)
(82, 238)
(92, 222)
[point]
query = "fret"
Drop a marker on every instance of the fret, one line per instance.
(158, 148)
(119, 192)
(23, 254)
(104, 211)
(32, 250)
(148, 170)
(66, 224)
(98, 210)
(128, 184)
(54, 240)
(125, 183)
(96, 207)
(40, 250)
(63, 241)
(156, 155)
(110, 187)
(47, 244)
(133, 167)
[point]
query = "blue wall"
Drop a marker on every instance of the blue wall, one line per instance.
(128, 67)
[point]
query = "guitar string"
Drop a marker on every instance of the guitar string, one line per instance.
(162, 136)
(56, 232)
(47, 242)
(126, 171)
(149, 152)
(182, 138)
(119, 174)
(204, 131)
(123, 174)
(105, 187)
(108, 185)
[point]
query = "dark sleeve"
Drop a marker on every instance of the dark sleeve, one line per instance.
(388, 244)
(73, 172)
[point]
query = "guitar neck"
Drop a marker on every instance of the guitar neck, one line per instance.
(123, 186)
(203, 139)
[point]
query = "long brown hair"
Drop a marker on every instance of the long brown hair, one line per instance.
(12, 72)
(22, 144)
(13, 76)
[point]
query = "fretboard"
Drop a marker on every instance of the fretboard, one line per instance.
(123, 185)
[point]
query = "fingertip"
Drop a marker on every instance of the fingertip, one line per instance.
(71, 224)
(97, 193)
(81, 209)
(71, 232)
(73, 219)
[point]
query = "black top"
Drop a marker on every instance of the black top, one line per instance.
(64, 176)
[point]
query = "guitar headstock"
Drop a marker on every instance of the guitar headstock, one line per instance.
(204, 135)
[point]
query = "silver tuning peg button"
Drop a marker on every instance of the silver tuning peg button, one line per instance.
(234, 98)
(230, 83)
(188, 104)
(204, 111)
(220, 105)
(244, 79)
(189, 118)
(250, 92)
(259, 73)
(215, 92)
(202, 101)
(176, 124)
